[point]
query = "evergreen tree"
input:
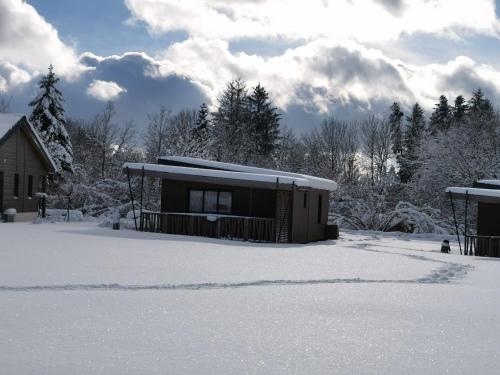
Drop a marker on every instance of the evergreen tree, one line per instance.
(48, 119)
(264, 120)
(441, 117)
(459, 109)
(408, 161)
(395, 119)
(231, 121)
(201, 131)
(480, 110)
(202, 120)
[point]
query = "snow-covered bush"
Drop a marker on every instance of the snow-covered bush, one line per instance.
(60, 215)
(411, 219)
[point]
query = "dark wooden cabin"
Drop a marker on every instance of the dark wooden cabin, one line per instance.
(486, 193)
(212, 199)
(24, 164)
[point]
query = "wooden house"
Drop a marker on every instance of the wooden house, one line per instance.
(486, 193)
(213, 199)
(25, 164)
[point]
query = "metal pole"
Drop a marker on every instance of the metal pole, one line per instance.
(142, 189)
(455, 221)
(466, 250)
(131, 197)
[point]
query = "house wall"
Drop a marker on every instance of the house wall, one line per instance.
(488, 219)
(246, 201)
(19, 155)
(305, 224)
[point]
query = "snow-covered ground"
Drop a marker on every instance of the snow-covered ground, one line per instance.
(78, 299)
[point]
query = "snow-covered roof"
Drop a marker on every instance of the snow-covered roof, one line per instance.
(229, 175)
(490, 182)
(477, 194)
(7, 122)
(305, 180)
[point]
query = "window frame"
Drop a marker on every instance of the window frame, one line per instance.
(218, 191)
(16, 185)
(30, 186)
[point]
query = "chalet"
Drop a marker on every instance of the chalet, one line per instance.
(486, 240)
(25, 164)
(213, 199)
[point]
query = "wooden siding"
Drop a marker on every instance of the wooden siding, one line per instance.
(18, 155)
(305, 226)
(488, 219)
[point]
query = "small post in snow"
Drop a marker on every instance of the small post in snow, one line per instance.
(131, 197)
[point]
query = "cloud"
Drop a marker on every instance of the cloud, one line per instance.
(31, 44)
(361, 20)
(12, 76)
(104, 90)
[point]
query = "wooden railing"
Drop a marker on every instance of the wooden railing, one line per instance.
(216, 226)
(488, 246)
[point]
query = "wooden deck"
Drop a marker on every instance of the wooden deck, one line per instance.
(488, 246)
(206, 225)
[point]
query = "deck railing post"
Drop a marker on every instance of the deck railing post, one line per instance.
(455, 221)
(131, 197)
(465, 222)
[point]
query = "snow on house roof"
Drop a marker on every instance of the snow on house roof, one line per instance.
(311, 181)
(476, 194)
(230, 175)
(490, 182)
(7, 122)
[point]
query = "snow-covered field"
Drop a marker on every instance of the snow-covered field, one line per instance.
(77, 299)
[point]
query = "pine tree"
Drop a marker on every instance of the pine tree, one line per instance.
(408, 161)
(202, 120)
(480, 108)
(202, 132)
(264, 120)
(459, 109)
(231, 128)
(441, 117)
(395, 119)
(48, 119)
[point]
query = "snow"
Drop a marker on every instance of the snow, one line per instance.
(314, 182)
(474, 191)
(10, 212)
(490, 182)
(7, 122)
(240, 176)
(79, 299)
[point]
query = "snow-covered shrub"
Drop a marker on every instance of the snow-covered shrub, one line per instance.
(411, 219)
(60, 215)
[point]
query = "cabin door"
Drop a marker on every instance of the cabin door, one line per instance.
(1, 192)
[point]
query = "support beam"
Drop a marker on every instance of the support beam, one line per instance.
(455, 221)
(131, 197)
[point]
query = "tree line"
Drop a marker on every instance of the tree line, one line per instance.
(379, 161)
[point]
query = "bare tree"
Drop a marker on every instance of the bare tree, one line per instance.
(376, 146)
(331, 150)
(155, 139)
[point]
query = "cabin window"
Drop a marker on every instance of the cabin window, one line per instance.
(305, 199)
(225, 202)
(196, 201)
(30, 186)
(210, 201)
(320, 206)
(16, 185)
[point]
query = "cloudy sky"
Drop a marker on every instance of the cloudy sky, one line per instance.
(344, 57)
